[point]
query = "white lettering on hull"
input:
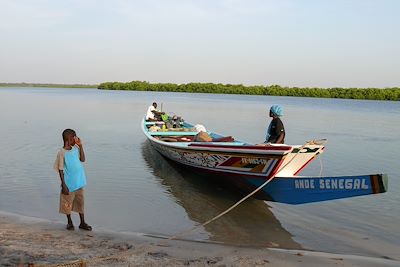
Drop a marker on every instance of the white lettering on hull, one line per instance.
(254, 161)
(305, 184)
(332, 184)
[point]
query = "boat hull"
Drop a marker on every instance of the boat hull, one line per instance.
(297, 189)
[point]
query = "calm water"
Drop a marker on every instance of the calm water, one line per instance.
(132, 188)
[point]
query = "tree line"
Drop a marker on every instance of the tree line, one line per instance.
(272, 90)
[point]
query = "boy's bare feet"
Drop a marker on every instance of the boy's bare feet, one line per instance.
(70, 227)
(85, 226)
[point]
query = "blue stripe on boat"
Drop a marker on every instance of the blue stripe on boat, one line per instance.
(298, 190)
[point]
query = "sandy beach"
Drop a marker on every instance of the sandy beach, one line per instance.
(27, 240)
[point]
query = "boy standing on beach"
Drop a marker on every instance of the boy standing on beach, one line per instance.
(69, 166)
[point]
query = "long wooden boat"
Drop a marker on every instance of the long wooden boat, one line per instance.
(247, 166)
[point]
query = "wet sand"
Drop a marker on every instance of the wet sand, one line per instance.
(25, 240)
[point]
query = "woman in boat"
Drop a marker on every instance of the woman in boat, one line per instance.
(276, 130)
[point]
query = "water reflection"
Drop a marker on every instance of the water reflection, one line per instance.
(251, 223)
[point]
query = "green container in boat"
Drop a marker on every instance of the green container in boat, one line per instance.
(164, 117)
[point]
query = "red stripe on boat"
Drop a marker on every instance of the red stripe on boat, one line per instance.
(309, 161)
(302, 167)
(231, 161)
(375, 184)
(276, 168)
(280, 148)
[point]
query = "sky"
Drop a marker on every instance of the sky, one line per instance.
(304, 43)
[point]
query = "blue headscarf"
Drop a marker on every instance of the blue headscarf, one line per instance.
(277, 110)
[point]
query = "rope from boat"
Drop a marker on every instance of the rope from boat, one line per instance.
(182, 234)
(320, 165)
(319, 142)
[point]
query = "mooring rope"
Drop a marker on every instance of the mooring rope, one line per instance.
(181, 234)
(321, 165)
(84, 263)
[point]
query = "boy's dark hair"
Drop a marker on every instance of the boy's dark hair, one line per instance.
(66, 133)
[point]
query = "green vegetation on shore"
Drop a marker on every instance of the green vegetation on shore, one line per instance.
(49, 85)
(392, 94)
(273, 90)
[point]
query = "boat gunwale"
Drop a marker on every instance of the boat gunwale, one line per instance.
(251, 150)
(271, 147)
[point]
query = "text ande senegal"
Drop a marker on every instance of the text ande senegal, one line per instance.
(332, 183)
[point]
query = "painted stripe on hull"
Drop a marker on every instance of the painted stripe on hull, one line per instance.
(273, 164)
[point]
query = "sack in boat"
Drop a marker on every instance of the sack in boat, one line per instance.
(168, 124)
(203, 137)
(177, 121)
(200, 128)
(154, 128)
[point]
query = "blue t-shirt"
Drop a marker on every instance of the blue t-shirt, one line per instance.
(74, 174)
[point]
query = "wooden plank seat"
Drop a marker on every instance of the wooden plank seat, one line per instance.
(150, 123)
(172, 133)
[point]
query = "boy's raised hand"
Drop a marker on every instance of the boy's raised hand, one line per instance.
(78, 141)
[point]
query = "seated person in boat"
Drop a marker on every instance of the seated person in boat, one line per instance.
(153, 114)
(276, 130)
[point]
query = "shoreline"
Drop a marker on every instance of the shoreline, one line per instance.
(47, 85)
(352, 93)
(26, 240)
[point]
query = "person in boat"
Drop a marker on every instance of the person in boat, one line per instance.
(153, 114)
(276, 130)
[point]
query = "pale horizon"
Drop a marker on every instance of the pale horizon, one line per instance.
(289, 43)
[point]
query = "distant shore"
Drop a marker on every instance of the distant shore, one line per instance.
(388, 94)
(392, 94)
(26, 240)
(49, 85)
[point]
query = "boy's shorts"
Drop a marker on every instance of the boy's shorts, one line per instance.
(74, 201)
